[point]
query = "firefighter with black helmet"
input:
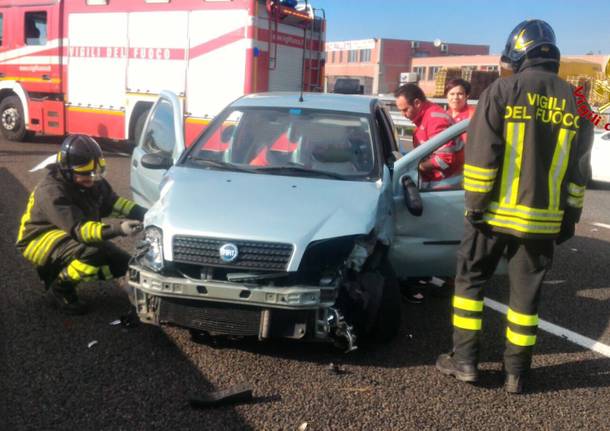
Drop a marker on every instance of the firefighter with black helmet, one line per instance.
(527, 165)
(61, 232)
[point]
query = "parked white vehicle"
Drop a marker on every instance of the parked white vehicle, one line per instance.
(600, 157)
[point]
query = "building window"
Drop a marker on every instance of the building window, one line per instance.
(340, 56)
(365, 55)
(35, 28)
(490, 68)
(421, 72)
(432, 71)
(1, 27)
(352, 56)
(332, 57)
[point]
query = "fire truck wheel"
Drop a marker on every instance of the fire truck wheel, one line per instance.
(12, 122)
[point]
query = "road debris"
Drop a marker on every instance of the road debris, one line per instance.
(241, 393)
(91, 344)
(115, 322)
(130, 319)
(553, 282)
(337, 369)
(437, 281)
(303, 426)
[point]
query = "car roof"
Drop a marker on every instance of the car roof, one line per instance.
(324, 101)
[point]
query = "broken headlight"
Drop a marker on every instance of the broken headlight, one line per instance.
(152, 258)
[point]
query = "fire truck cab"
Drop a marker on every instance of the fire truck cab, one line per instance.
(97, 66)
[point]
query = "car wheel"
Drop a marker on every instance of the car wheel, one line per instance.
(12, 122)
(387, 321)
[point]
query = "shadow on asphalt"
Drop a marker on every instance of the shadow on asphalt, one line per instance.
(575, 298)
(131, 379)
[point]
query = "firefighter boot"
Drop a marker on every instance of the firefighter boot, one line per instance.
(63, 296)
(514, 383)
(463, 371)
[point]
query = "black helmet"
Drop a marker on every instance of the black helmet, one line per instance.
(80, 154)
(533, 38)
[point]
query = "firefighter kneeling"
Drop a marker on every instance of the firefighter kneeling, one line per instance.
(61, 231)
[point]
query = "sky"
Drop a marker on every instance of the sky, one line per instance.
(580, 26)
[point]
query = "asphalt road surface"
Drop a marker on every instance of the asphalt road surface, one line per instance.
(141, 378)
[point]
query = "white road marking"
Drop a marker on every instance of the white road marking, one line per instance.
(604, 225)
(551, 328)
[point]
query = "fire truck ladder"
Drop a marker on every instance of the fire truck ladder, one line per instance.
(273, 13)
(314, 50)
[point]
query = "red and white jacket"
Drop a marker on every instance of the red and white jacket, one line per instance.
(447, 159)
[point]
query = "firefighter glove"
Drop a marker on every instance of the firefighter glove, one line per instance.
(568, 228)
(131, 227)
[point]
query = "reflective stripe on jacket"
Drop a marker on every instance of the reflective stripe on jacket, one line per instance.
(527, 158)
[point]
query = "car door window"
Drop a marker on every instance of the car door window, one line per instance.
(388, 144)
(160, 136)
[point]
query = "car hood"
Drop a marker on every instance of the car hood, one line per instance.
(263, 207)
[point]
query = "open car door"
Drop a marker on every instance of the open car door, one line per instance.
(161, 144)
(426, 245)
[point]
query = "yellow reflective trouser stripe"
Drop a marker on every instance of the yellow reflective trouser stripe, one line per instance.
(467, 304)
(520, 339)
(522, 319)
(480, 173)
(470, 323)
(38, 248)
(106, 272)
(80, 271)
(511, 168)
(526, 213)
(123, 206)
(522, 225)
(476, 189)
(25, 218)
(91, 231)
(559, 166)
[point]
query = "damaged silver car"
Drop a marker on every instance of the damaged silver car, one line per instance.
(288, 217)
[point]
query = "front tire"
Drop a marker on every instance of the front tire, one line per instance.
(12, 121)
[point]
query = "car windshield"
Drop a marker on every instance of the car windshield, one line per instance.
(284, 141)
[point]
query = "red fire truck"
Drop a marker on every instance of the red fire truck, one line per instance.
(96, 66)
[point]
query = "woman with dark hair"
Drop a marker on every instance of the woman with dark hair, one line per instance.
(457, 91)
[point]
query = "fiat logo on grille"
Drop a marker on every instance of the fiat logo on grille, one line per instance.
(228, 252)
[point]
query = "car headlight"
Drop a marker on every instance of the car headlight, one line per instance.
(153, 241)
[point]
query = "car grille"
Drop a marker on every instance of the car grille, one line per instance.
(252, 254)
(215, 318)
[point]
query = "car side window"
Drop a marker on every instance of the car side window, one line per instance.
(160, 136)
(35, 28)
(386, 133)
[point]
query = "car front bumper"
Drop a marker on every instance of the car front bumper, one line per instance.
(231, 308)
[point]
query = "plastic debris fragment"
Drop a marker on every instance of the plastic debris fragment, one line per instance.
(91, 344)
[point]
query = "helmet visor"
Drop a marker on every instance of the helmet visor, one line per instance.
(95, 169)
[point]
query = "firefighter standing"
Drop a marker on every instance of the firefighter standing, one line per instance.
(527, 164)
(61, 232)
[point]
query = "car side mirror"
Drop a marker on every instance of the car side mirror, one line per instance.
(156, 161)
(412, 197)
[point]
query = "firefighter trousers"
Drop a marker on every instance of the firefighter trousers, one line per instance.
(73, 262)
(477, 259)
